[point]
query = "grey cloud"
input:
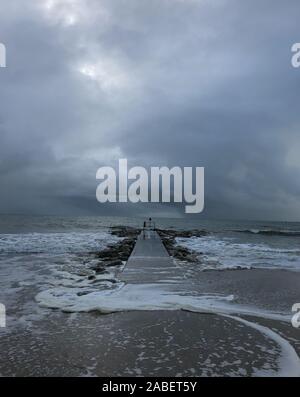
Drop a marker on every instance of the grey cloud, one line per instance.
(205, 83)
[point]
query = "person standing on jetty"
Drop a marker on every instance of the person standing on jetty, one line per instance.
(148, 225)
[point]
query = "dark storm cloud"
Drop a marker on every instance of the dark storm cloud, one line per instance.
(160, 82)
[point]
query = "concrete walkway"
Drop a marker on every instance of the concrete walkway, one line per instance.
(149, 261)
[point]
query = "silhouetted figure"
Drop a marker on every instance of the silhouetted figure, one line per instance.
(151, 224)
(148, 225)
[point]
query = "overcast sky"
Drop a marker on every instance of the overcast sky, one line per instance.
(160, 82)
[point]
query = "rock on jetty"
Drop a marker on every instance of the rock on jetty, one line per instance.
(168, 237)
(116, 254)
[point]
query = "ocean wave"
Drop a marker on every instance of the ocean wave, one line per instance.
(271, 232)
(220, 253)
(51, 243)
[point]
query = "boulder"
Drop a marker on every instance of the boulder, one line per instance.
(117, 262)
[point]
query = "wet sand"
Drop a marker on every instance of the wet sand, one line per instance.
(142, 344)
(272, 289)
(157, 343)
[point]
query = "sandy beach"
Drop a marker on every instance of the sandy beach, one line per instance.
(159, 343)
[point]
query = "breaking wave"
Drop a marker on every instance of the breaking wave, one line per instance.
(54, 243)
(222, 253)
(271, 232)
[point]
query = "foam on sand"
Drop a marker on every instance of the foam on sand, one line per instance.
(289, 362)
(133, 297)
(126, 297)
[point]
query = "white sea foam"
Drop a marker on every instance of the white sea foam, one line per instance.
(37, 261)
(289, 362)
(134, 297)
(226, 253)
(52, 243)
(130, 297)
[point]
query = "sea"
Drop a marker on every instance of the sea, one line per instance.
(228, 244)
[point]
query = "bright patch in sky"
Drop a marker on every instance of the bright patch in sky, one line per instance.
(106, 74)
(68, 12)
